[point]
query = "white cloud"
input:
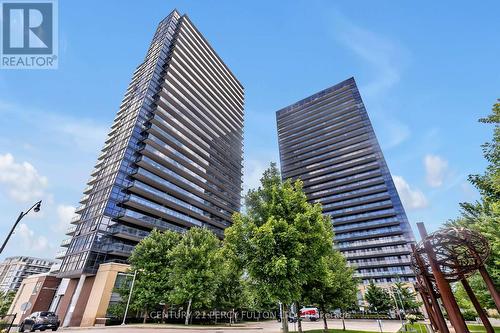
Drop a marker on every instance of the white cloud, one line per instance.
(21, 180)
(252, 174)
(385, 56)
(412, 198)
(86, 134)
(64, 215)
(386, 60)
(394, 133)
(32, 242)
(436, 168)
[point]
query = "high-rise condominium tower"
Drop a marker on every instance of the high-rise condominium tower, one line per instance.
(172, 159)
(328, 142)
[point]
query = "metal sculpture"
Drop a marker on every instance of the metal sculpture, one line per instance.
(445, 256)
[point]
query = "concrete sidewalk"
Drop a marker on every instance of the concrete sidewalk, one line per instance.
(270, 326)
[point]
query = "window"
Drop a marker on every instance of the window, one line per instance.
(37, 287)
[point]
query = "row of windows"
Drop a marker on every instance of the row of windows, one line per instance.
(165, 210)
(369, 242)
(345, 146)
(377, 231)
(345, 175)
(357, 200)
(362, 161)
(364, 215)
(365, 224)
(286, 118)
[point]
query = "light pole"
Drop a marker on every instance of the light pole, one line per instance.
(36, 209)
(129, 297)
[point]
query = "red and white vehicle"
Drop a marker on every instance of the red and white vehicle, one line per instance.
(309, 313)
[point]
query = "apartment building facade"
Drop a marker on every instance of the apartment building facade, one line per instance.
(327, 141)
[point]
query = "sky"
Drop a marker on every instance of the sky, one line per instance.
(426, 71)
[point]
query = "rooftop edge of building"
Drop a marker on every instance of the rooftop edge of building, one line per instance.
(185, 16)
(349, 81)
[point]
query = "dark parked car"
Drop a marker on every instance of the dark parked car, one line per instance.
(41, 320)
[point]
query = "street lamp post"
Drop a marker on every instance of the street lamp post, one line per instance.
(36, 209)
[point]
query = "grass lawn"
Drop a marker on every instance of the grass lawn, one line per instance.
(473, 328)
(334, 331)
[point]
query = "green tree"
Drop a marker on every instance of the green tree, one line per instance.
(196, 265)
(153, 260)
(405, 297)
(331, 285)
(279, 238)
(230, 293)
(379, 300)
(6, 299)
(488, 183)
(484, 215)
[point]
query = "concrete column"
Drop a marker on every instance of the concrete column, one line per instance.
(74, 299)
(100, 294)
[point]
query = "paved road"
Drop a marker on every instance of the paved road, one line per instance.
(256, 327)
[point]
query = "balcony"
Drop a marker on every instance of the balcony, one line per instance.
(129, 233)
(71, 230)
(386, 262)
(80, 208)
(75, 218)
(384, 273)
(101, 155)
(377, 253)
(60, 254)
(119, 249)
(88, 189)
(92, 180)
(84, 199)
(148, 221)
(368, 243)
(66, 242)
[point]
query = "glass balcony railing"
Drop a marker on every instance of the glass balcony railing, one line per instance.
(381, 262)
(60, 254)
(66, 242)
(118, 249)
(128, 231)
(377, 252)
(151, 221)
(71, 230)
(80, 208)
(384, 240)
(384, 273)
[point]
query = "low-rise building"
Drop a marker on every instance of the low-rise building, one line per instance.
(13, 270)
(35, 293)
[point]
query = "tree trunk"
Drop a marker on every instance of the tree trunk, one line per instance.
(188, 312)
(164, 314)
(145, 315)
(343, 322)
(284, 318)
(299, 322)
(325, 323)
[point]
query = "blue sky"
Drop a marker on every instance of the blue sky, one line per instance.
(426, 71)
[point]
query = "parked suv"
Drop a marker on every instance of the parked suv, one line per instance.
(41, 320)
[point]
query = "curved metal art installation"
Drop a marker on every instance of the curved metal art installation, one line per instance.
(459, 252)
(451, 255)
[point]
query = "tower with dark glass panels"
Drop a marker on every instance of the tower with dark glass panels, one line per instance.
(328, 142)
(173, 157)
